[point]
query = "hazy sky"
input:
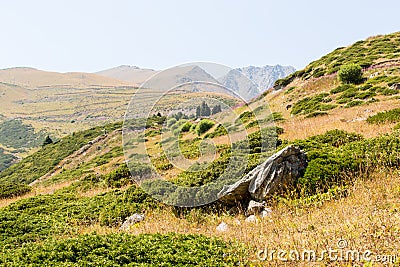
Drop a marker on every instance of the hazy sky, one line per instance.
(94, 35)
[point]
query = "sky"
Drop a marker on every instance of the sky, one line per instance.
(90, 36)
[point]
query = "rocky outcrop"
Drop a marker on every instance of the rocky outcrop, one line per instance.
(251, 81)
(278, 172)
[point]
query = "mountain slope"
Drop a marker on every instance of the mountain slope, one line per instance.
(348, 192)
(314, 100)
(51, 101)
(374, 52)
(34, 78)
(263, 77)
(131, 74)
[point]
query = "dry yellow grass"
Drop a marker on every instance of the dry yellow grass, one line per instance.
(351, 120)
(38, 190)
(368, 219)
(348, 119)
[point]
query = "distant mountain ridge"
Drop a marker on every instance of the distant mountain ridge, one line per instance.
(34, 78)
(126, 73)
(246, 81)
(266, 76)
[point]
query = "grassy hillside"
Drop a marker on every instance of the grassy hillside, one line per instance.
(371, 53)
(44, 160)
(350, 189)
(314, 100)
(91, 208)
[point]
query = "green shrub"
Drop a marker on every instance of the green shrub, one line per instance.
(336, 138)
(43, 216)
(365, 95)
(152, 132)
(343, 100)
(316, 114)
(274, 117)
(323, 107)
(291, 89)
(354, 103)
(350, 74)
(311, 104)
(365, 87)
(204, 125)
(219, 131)
(8, 190)
(388, 92)
(186, 127)
(391, 116)
(285, 81)
(127, 250)
(349, 93)
(118, 177)
(171, 122)
(337, 157)
(245, 117)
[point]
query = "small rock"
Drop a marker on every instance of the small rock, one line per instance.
(251, 219)
(131, 220)
(266, 213)
(222, 227)
(255, 208)
(395, 86)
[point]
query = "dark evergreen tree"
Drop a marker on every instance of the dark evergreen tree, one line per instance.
(205, 109)
(216, 109)
(47, 141)
(198, 111)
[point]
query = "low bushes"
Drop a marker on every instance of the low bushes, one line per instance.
(219, 131)
(123, 249)
(204, 125)
(12, 190)
(43, 216)
(337, 157)
(391, 116)
(311, 104)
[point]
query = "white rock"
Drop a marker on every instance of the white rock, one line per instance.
(266, 213)
(222, 227)
(255, 208)
(131, 220)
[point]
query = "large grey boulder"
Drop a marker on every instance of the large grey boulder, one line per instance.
(279, 171)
